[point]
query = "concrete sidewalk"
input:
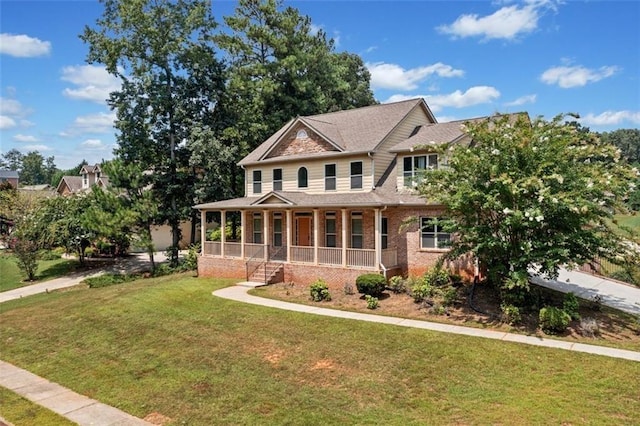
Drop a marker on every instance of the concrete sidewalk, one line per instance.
(73, 406)
(133, 263)
(239, 293)
(586, 286)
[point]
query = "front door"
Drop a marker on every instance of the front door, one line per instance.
(303, 225)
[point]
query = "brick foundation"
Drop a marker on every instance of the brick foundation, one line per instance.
(215, 267)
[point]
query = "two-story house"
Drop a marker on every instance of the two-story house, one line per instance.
(327, 196)
(87, 177)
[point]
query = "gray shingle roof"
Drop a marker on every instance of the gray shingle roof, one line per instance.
(8, 174)
(74, 183)
(354, 130)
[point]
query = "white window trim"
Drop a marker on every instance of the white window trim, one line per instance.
(415, 171)
(334, 177)
(435, 234)
(361, 175)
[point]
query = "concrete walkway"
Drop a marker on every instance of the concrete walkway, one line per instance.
(239, 294)
(73, 406)
(133, 263)
(586, 286)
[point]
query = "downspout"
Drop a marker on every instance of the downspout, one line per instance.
(373, 169)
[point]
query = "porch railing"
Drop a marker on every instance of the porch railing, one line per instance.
(329, 256)
(303, 254)
(359, 258)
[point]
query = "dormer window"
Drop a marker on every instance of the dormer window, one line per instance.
(302, 134)
(413, 166)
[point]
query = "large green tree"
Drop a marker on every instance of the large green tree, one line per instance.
(279, 68)
(531, 195)
(156, 48)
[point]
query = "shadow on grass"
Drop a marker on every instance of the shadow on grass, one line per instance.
(58, 270)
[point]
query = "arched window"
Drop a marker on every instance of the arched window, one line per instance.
(302, 177)
(302, 134)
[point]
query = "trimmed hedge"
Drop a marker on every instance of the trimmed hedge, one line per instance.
(371, 284)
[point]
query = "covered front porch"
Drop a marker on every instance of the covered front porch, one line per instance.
(342, 238)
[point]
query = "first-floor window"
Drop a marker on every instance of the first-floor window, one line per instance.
(257, 228)
(431, 233)
(356, 230)
(385, 232)
(330, 229)
(277, 229)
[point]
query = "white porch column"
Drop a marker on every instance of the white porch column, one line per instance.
(378, 238)
(344, 238)
(243, 232)
(315, 236)
(289, 233)
(265, 233)
(223, 229)
(203, 230)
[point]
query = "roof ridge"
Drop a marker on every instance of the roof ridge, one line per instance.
(414, 100)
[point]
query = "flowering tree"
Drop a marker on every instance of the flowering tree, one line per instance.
(529, 195)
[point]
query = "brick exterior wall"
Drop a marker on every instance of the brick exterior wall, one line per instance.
(291, 145)
(215, 267)
(412, 260)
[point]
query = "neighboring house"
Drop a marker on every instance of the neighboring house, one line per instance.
(10, 176)
(328, 196)
(89, 176)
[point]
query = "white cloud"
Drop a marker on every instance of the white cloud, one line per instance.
(392, 76)
(94, 144)
(37, 148)
(336, 38)
(11, 107)
(611, 118)
(93, 83)
(93, 123)
(370, 49)
(315, 29)
(576, 76)
(25, 138)
(473, 96)
(506, 23)
(446, 118)
(23, 46)
(6, 122)
(527, 99)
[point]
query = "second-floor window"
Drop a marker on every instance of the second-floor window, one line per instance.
(303, 178)
(257, 181)
(414, 166)
(85, 180)
(277, 179)
(356, 175)
(329, 177)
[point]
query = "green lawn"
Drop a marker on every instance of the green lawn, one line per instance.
(13, 277)
(630, 221)
(167, 345)
(23, 412)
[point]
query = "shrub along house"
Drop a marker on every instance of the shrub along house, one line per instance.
(327, 194)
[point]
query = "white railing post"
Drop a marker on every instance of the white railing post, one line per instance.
(265, 233)
(344, 238)
(243, 232)
(289, 236)
(203, 230)
(223, 231)
(377, 240)
(315, 236)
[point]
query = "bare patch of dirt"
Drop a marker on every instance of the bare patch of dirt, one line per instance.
(157, 419)
(615, 329)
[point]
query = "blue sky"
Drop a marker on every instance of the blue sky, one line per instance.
(467, 59)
